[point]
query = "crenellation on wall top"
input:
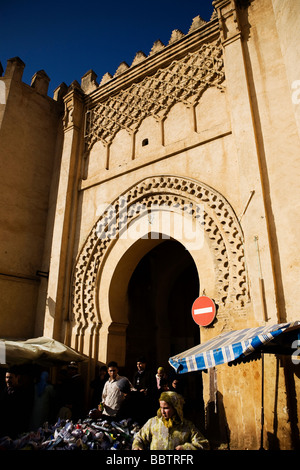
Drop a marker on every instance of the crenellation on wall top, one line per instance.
(139, 57)
(106, 78)
(60, 92)
(88, 82)
(176, 36)
(123, 67)
(74, 86)
(14, 69)
(40, 82)
(197, 23)
(157, 46)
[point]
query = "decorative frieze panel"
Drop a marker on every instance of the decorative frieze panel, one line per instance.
(219, 222)
(184, 80)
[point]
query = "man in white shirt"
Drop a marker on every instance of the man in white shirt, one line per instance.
(112, 397)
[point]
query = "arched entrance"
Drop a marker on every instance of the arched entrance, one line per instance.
(118, 241)
(160, 295)
(161, 291)
(106, 271)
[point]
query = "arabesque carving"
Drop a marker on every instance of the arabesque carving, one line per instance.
(220, 224)
(184, 80)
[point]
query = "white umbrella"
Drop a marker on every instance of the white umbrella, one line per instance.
(43, 351)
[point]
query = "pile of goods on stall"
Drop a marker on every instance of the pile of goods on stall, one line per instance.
(89, 434)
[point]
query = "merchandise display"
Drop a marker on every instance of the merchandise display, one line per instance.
(87, 434)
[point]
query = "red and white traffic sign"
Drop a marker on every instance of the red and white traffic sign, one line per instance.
(203, 311)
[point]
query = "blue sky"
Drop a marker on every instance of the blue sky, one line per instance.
(66, 39)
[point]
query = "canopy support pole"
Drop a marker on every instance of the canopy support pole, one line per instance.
(262, 403)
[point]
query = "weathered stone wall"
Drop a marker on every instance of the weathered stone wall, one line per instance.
(29, 129)
(210, 121)
(199, 121)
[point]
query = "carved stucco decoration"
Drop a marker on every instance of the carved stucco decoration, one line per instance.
(184, 80)
(220, 224)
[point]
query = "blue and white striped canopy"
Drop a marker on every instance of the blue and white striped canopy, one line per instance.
(228, 347)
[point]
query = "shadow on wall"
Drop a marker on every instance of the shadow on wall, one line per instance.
(290, 371)
(51, 306)
(216, 426)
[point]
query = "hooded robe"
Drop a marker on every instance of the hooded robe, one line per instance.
(161, 434)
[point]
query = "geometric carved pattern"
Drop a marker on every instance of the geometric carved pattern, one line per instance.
(183, 80)
(220, 225)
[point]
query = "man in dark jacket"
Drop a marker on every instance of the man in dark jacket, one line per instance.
(15, 406)
(144, 385)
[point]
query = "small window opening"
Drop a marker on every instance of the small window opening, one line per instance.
(145, 142)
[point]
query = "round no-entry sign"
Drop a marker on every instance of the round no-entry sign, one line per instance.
(203, 311)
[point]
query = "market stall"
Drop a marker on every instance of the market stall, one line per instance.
(238, 346)
(42, 351)
(88, 433)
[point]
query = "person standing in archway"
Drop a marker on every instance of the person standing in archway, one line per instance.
(113, 393)
(144, 386)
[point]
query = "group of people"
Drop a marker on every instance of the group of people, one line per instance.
(28, 399)
(118, 392)
(139, 399)
(115, 397)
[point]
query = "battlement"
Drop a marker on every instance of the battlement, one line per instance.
(40, 80)
(89, 83)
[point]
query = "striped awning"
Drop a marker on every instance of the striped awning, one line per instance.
(231, 346)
